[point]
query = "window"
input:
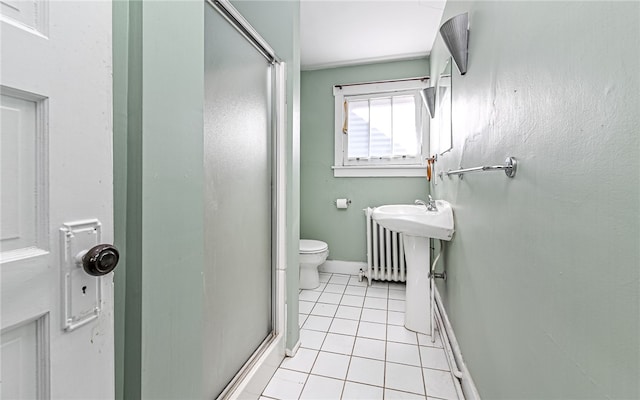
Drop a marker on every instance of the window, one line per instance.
(380, 129)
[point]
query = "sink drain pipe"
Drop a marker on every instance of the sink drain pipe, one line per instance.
(432, 302)
(436, 317)
(465, 387)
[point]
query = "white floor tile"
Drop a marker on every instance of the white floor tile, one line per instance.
(311, 339)
(319, 387)
(377, 292)
(354, 301)
(358, 391)
(395, 318)
(321, 287)
(335, 343)
(383, 359)
(305, 307)
(369, 348)
(372, 330)
(331, 365)
(365, 370)
(354, 281)
(439, 384)
(390, 394)
(356, 290)
(317, 323)
(375, 302)
(397, 294)
(398, 334)
(339, 279)
(405, 378)
(302, 361)
(397, 286)
(396, 305)
(285, 384)
(434, 358)
(344, 326)
(425, 340)
(325, 310)
(348, 312)
(332, 298)
(402, 353)
(334, 288)
(308, 295)
(371, 315)
(301, 319)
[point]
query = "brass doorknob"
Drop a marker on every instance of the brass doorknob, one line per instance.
(100, 259)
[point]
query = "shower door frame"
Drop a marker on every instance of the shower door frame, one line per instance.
(254, 375)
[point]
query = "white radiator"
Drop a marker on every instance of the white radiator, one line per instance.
(385, 252)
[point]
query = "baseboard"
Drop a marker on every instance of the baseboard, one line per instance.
(342, 267)
(292, 352)
(467, 385)
(258, 377)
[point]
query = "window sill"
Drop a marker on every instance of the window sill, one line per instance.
(379, 171)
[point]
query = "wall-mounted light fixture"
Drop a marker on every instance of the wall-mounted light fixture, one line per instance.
(429, 99)
(455, 33)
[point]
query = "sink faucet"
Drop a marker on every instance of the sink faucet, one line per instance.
(431, 205)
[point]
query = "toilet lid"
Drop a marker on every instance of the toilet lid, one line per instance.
(312, 246)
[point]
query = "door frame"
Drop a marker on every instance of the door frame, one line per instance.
(255, 374)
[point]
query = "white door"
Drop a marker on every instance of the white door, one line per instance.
(56, 199)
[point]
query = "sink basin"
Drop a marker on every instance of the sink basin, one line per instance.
(416, 220)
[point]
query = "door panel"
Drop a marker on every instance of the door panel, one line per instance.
(19, 147)
(25, 361)
(55, 144)
(238, 201)
(30, 15)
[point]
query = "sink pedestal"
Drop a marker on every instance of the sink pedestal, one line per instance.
(417, 315)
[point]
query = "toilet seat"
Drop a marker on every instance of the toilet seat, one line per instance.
(312, 246)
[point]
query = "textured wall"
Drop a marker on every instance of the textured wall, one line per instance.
(543, 287)
(343, 230)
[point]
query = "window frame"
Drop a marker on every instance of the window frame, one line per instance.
(379, 167)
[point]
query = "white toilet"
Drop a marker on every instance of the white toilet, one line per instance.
(312, 254)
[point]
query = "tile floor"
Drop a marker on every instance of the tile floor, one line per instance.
(354, 346)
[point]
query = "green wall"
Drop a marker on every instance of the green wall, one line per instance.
(544, 269)
(127, 137)
(158, 188)
(172, 198)
(344, 230)
(120, 103)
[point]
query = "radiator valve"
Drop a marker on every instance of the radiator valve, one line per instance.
(438, 275)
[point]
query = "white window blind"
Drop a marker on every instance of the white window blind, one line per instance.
(383, 128)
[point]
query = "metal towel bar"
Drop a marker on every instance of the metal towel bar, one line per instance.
(509, 169)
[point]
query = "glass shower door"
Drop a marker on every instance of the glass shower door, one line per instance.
(238, 201)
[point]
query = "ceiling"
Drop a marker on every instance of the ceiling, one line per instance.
(348, 32)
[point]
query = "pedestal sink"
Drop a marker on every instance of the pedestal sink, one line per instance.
(417, 223)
